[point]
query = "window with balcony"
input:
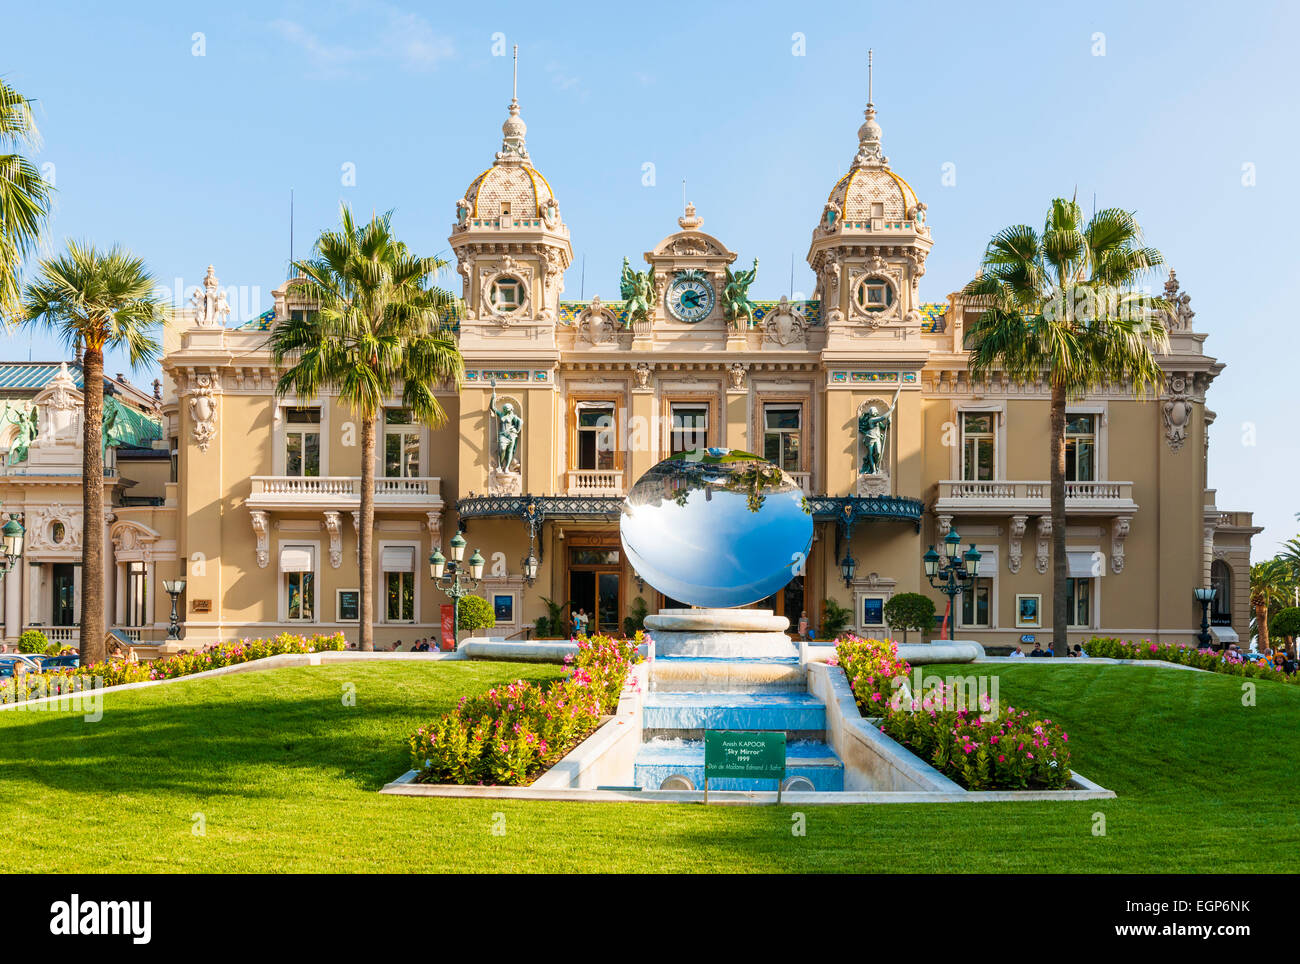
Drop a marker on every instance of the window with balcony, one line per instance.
(690, 426)
(978, 446)
(302, 442)
(1079, 602)
(976, 605)
(1081, 448)
(401, 444)
(596, 430)
(783, 436)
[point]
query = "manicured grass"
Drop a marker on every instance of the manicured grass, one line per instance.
(285, 776)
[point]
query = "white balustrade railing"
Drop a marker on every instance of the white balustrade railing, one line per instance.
(804, 479)
(342, 488)
(993, 492)
(595, 482)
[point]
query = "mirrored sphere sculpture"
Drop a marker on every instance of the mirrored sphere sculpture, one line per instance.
(716, 528)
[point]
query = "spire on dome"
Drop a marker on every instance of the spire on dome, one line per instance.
(514, 129)
(690, 221)
(870, 151)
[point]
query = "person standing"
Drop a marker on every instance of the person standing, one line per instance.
(803, 624)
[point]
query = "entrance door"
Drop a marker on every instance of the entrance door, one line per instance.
(595, 574)
(62, 608)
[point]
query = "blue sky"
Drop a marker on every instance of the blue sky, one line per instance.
(189, 160)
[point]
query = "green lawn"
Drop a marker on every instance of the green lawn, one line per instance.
(285, 776)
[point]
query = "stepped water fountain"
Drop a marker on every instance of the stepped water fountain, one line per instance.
(720, 529)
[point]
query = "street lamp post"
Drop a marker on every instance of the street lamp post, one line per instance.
(451, 577)
(174, 588)
(12, 533)
(953, 573)
(1205, 595)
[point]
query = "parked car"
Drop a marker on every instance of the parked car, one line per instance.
(12, 664)
(63, 661)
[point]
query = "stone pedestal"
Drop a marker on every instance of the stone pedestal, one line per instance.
(720, 633)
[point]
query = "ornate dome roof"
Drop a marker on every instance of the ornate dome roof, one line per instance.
(511, 180)
(870, 189)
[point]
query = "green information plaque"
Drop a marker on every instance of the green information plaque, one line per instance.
(753, 755)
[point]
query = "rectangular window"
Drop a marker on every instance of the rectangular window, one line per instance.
(301, 589)
(302, 442)
(596, 435)
(137, 595)
(1081, 448)
(976, 605)
(399, 593)
(1079, 603)
(782, 436)
(690, 427)
(977, 434)
(401, 445)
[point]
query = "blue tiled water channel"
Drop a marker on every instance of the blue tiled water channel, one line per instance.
(752, 695)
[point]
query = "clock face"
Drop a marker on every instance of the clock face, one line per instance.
(690, 299)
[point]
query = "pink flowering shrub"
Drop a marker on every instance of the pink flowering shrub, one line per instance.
(986, 747)
(115, 672)
(1222, 662)
(511, 735)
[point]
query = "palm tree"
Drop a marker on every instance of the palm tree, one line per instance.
(96, 300)
(24, 195)
(1271, 584)
(1064, 306)
(376, 325)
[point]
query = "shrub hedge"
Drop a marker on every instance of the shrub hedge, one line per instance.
(984, 747)
(1220, 662)
(118, 671)
(510, 736)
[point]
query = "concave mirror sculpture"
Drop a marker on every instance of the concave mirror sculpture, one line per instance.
(716, 528)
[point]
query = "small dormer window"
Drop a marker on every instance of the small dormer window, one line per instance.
(507, 294)
(877, 209)
(874, 294)
(505, 209)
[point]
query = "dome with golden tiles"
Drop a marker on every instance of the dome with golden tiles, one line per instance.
(511, 188)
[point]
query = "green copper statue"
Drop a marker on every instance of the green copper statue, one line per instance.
(873, 432)
(25, 419)
(113, 429)
(735, 296)
(638, 290)
(509, 425)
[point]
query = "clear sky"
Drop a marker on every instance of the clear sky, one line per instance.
(186, 148)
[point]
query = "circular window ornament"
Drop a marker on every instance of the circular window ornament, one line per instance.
(507, 294)
(874, 294)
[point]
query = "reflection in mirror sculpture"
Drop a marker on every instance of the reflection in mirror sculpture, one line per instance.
(716, 528)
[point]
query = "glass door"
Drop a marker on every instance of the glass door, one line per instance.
(63, 610)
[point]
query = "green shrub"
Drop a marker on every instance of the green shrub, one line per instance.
(509, 736)
(552, 625)
(834, 618)
(986, 747)
(1286, 623)
(634, 621)
(475, 612)
(1207, 659)
(910, 610)
(33, 641)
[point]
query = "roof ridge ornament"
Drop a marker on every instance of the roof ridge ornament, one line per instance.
(870, 150)
(690, 221)
(513, 149)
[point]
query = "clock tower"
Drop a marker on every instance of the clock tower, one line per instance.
(690, 270)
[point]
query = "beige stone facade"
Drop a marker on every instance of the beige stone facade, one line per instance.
(268, 492)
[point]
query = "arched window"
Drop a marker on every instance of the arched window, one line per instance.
(1221, 580)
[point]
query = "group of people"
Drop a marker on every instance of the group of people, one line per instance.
(1075, 651)
(425, 645)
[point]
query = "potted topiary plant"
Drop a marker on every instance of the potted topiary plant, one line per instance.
(909, 610)
(475, 614)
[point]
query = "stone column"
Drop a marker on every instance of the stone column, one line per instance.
(119, 602)
(13, 602)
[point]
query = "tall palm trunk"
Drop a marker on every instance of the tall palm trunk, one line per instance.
(1261, 626)
(1060, 562)
(366, 535)
(92, 509)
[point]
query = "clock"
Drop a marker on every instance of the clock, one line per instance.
(690, 297)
